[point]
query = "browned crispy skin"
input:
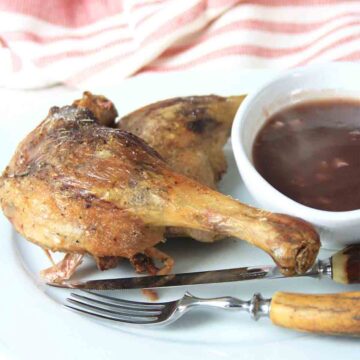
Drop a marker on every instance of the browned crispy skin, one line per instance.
(78, 187)
(189, 133)
(102, 108)
(46, 190)
(106, 262)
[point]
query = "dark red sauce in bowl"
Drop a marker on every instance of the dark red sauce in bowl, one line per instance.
(310, 152)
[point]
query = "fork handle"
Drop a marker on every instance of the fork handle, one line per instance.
(333, 314)
(346, 265)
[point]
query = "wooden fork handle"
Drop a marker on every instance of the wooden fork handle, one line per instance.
(333, 314)
(346, 265)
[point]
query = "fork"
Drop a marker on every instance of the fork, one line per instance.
(334, 314)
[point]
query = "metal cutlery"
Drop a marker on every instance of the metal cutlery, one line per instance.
(333, 314)
(343, 267)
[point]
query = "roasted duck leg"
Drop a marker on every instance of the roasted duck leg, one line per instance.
(78, 187)
(189, 133)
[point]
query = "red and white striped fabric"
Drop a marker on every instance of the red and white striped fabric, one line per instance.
(86, 43)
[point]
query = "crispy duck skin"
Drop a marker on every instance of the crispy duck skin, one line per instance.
(78, 187)
(102, 108)
(189, 133)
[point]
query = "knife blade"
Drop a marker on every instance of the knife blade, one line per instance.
(181, 279)
(343, 267)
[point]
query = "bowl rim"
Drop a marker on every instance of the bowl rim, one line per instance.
(247, 166)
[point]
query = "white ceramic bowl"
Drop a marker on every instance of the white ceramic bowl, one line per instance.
(313, 82)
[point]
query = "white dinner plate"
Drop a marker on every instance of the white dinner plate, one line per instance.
(35, 325)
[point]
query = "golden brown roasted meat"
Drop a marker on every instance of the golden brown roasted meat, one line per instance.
(78, 187)
(102, 108)
(189, 133)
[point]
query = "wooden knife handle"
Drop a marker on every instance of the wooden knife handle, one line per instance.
(333, 314)
(346, 265)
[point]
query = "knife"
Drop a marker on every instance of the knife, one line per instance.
(343, 267)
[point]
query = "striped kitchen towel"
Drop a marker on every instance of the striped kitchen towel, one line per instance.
(85, 43)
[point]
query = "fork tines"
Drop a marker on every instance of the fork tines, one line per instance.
(120, 310)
